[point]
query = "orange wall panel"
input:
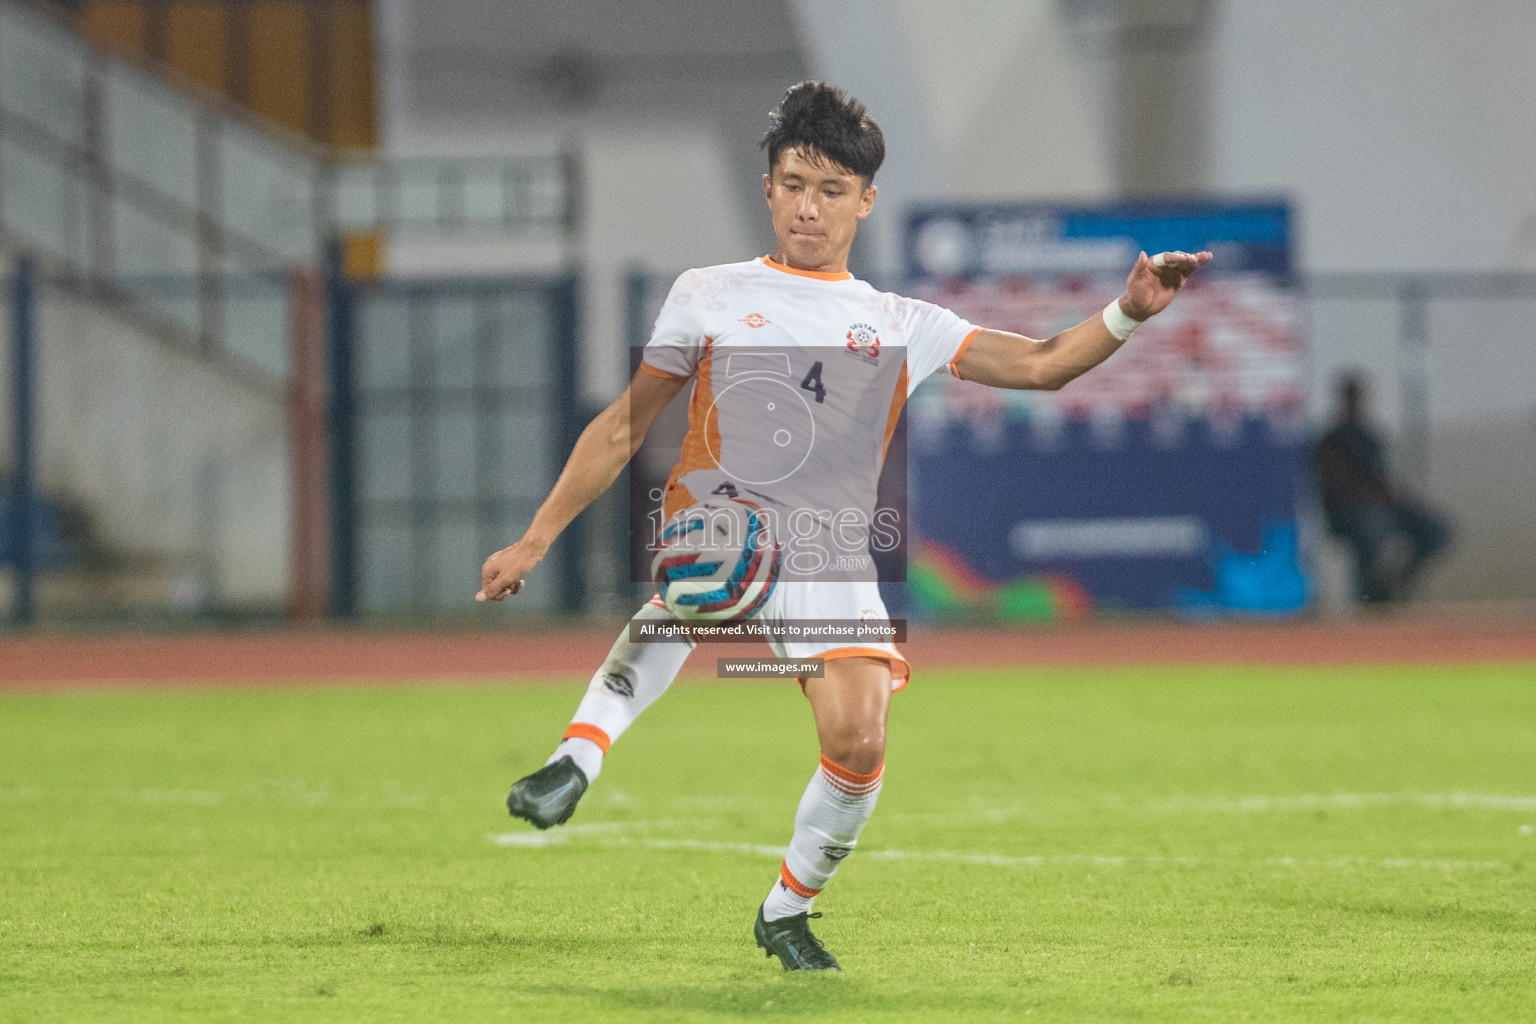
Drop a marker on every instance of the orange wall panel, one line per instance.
(108, 23)
(196, 36)
(278, 34)
(351, 68)
(267, 54)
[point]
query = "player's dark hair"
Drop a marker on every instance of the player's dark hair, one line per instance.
(822, 121)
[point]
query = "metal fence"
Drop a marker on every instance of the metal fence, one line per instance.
(465, 407)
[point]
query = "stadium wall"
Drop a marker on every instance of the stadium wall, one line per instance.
(1395, 127)
(1448, 361)
(977, 100)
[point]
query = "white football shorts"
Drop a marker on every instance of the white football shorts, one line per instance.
(811, 604)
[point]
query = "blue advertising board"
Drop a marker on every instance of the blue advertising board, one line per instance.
(1168, 477)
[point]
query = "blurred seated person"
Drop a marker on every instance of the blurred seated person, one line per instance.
(1390, 535)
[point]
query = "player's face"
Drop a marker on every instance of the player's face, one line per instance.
(816, 206)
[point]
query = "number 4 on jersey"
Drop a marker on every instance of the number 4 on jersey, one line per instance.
(813, 383)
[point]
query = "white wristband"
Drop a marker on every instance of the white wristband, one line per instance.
(1118, 323)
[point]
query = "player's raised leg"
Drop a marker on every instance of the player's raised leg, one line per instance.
(851, 705)
(629, 680)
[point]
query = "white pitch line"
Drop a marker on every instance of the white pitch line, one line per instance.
(565, 833)
(1345, 802)
(1256, 804)
(611, 835)
(773, 852)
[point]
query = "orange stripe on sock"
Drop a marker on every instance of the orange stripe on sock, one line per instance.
(583, 731)
(833, 768)
(791, 883)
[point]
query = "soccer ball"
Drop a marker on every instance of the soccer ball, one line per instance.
(717, 561)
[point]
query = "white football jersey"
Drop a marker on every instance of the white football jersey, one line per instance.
(799, 379)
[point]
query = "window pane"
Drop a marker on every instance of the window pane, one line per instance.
(455, 567)
(385, 575)
(453, 469)
(485, 195)
(522, 461)
(419, 196)
(519, 356)
(356, 198)
(384, 342)
(384, 449)
(452, 324)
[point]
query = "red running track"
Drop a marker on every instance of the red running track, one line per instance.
(340, 655)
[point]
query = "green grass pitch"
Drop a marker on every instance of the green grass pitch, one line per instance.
(1053, 845)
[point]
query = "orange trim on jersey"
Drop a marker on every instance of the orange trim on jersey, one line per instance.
(847, 775)
(819, 275)
(583, 731)
(898, 399)
(663, 374)
(702, 442)
(792, 883)
(954, 368)
(678, 497)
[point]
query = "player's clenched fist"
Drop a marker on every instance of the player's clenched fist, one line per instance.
(1155, 280)
(503, 572)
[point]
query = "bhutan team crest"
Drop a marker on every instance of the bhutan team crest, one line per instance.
(864, 342)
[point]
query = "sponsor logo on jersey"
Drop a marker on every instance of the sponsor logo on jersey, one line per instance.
(756, 320)
(864, 342)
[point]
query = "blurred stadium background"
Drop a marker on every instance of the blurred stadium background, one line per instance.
(307, 300)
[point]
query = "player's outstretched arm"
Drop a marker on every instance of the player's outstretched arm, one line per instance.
(609, 441)
(1003, 360)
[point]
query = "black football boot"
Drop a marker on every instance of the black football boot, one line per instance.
(548, 796)
(790, 939)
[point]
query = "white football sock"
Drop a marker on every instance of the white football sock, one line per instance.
(630, 679)
(587, 755)
(831, 815)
